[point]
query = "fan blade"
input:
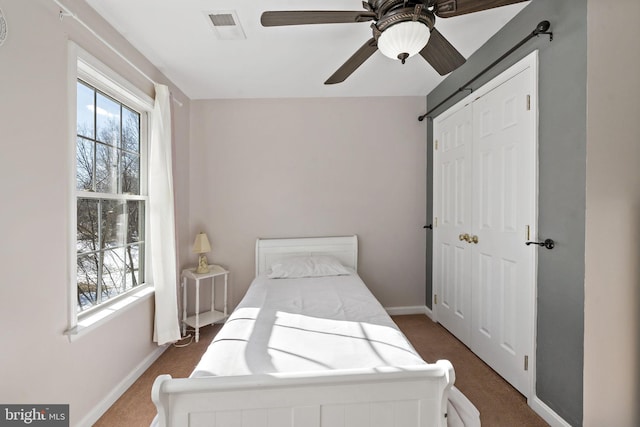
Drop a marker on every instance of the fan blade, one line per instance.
(441, 54)
(356, 60)
(449, 8)
(302, 17)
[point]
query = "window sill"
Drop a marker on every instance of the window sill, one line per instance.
(92, 320)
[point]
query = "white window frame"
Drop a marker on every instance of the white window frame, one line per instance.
(84, 66)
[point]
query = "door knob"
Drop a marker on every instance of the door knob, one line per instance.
(474, 239)
(548, 243)
(465, 237)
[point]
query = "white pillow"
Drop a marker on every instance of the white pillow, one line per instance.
(307, 266)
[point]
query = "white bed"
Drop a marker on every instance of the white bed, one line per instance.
(311, 352)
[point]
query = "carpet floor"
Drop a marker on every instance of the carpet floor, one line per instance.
(500, 405)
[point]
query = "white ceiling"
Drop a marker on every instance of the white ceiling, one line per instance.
(280, 62)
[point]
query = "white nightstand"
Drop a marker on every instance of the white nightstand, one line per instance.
(206, 317)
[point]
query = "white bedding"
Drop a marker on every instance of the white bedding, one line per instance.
(293, 325)
(297, 325)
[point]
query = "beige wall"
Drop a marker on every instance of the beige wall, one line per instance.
(38, 364)
(612, 276)
(310, 167)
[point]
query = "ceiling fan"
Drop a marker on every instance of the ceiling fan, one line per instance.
(401, 29)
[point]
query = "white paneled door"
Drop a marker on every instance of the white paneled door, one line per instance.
(485, 204)
(452, 208)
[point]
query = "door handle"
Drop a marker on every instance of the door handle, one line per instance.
(474, 239)
(465, 237)
(548, 243)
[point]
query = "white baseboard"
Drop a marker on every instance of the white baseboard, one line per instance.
(401, 311)
(119, 390)
(547, 413)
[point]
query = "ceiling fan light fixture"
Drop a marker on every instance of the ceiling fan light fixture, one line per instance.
(403, 40)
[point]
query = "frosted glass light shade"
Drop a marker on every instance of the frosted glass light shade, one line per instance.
(201, 245)
(408, 37)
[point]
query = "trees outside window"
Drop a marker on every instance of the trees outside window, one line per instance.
(110, 200)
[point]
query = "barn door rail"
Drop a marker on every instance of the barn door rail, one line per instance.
(541, 28)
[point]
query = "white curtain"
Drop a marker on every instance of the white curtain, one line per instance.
(162, 245)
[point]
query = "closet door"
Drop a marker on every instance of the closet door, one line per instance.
(502, 274)
(485, 204)
(452, 211)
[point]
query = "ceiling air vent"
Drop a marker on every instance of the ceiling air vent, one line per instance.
(226, 25)
(222, 19)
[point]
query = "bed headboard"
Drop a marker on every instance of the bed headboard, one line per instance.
(345, 248)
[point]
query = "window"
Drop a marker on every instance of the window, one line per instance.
(110, 183)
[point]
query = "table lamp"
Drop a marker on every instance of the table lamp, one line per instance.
(201, 246)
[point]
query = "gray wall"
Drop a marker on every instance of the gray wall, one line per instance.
(562, 160)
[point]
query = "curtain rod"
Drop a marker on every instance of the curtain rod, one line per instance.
(541, 28)
(67, 12)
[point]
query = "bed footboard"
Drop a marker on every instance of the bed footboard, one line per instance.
(413, 396)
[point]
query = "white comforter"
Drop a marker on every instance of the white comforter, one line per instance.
(286, 325)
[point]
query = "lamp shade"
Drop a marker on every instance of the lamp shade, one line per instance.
(404, 39)
(201, 245)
